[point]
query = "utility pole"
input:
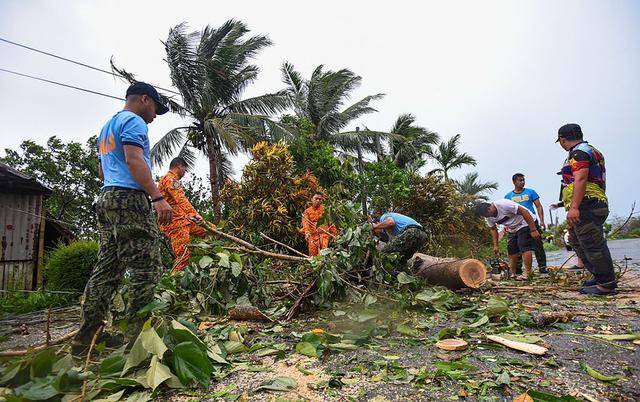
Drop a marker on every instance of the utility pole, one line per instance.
(361, 172)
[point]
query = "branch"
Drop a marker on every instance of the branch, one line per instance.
(283, 245)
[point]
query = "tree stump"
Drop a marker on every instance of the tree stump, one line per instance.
(449, 272)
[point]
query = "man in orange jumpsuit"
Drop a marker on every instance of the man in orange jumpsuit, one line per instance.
(180, 227)
(316, 237)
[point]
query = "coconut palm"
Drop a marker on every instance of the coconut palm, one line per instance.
(321, 100)
(447, 156)
(211, 69)
(472, 186)
(408, 143)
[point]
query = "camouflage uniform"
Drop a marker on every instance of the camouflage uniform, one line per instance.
(408, 242)
(129, 241)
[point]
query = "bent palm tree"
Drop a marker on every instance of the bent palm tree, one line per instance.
(472, 186)
(448, 156)
(211, 69)
(408, 143)
(321, 100)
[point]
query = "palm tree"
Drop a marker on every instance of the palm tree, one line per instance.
(448, 156)
(321, 100)
(471, 186)
(409, 144)
(211, 70)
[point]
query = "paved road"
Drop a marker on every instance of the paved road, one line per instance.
(620, 249)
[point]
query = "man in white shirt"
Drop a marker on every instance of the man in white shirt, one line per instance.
(520, 225)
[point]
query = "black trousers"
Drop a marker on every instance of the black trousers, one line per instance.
(589, 243)
(538, 251)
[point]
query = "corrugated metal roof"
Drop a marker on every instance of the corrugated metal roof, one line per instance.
(14, 180)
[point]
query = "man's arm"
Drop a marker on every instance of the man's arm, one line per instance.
(388, 223)
(100, 172)
(142, 175)
(524, 212)
(494, 237)
(579, 188)
(540, 210)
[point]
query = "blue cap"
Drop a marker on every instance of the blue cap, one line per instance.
(142, 88)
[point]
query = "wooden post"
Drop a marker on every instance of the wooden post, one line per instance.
(40, 262)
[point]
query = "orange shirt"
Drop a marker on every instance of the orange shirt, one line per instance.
(173, 192)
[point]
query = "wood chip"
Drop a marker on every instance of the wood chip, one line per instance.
(521, 346)
(636, 342)
(452, 344)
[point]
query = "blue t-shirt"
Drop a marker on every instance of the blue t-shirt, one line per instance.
(125, 128)
(526, 198)
(402, 221)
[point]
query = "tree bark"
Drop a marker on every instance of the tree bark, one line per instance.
(212, 154)
(449, 272)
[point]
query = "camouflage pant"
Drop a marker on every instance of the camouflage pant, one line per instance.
(408, 242)
(589, 243)
(129, 242)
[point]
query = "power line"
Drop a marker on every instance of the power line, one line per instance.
(76, 62)
(61, 84)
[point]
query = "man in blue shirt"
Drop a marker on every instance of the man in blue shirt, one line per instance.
(529, 198)
(129, 233)
(406, 236)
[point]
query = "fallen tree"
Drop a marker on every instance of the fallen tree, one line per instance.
(449, 272)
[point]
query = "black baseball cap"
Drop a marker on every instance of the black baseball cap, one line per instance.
(570, 131)
(142, 88)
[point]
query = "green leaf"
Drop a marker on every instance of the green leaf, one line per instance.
(39, 389)
(404, 279)
(281, 383)
(522, 338)
(544, 397)
(619, 337)
(236, 269)
(307, 349)
(205, 261)
(224, 259)
(65, 363)
(480, 322)
(115, 397)
(180, 333)
(597, 375)
(113, 384)
(42, 363)
(504, 378)
(497, 306)
(233, 347)
(191, 363)
(137, 355)
(407, 330)
(151, 342)
(155, 305)
(10, 372)
(157, 373)
(140, 396)
(364, 317)
(112, 365)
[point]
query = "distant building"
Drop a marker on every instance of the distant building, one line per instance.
(25, 230)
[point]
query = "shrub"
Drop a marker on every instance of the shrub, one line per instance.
(69, 266)
(270, 198)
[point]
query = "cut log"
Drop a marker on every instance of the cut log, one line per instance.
(452, 344)
(449, 272)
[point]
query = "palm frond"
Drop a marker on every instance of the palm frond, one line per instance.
(166, 147)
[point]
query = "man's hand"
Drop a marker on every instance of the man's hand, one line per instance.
(543, 226)
(535, 234)
(496, 251)
(306, 236)
(198, 219)
(554, 206)
(165, 213)
(573, 217)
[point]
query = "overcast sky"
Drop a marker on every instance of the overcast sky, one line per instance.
(504, 74)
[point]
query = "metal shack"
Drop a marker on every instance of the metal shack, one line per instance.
(22, 230)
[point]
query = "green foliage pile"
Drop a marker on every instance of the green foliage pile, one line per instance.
(270, 198)
(68, 267)
(20, 303)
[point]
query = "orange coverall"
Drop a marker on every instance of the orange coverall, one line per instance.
(318, 236)
(180, 228)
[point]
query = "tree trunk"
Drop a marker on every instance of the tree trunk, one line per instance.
(212, 154)
(449, 272)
